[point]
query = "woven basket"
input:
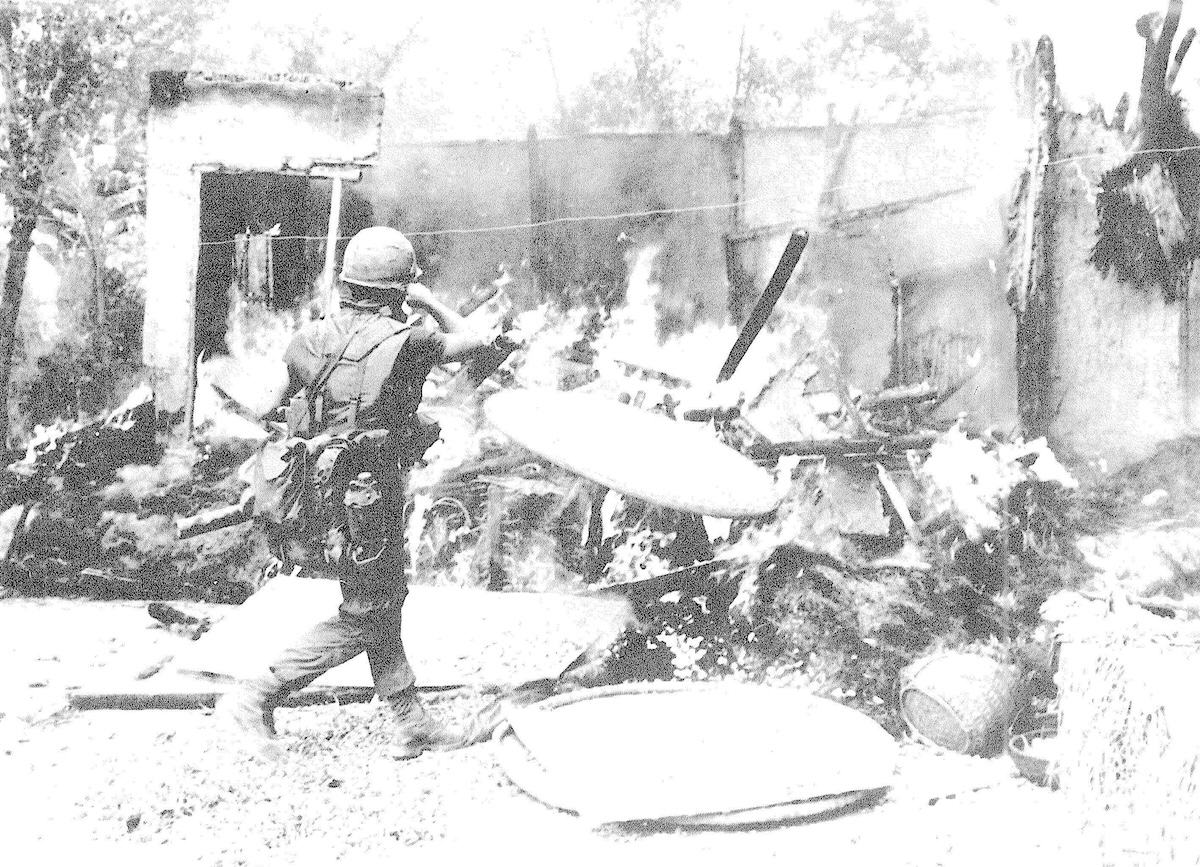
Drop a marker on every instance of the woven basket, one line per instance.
(960, 701)
(1129, 764)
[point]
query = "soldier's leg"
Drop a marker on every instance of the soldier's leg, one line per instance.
(417, 729)
(390, 668)
(326, 645)
(249, 709)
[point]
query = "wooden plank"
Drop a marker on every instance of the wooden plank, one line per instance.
(898, 503)
(848, 446)
(346, 172)
(174, 691)
(331, 236)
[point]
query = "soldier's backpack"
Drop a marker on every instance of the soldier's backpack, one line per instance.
(300, 480)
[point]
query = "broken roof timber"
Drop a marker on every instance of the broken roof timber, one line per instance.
(344, 172)
(885, 209)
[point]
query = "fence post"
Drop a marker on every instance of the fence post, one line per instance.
(1031, 278)
(539, 212)
(331, 239)
(741, 293)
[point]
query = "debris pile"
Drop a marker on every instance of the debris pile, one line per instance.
(898, 535)
(89, 509)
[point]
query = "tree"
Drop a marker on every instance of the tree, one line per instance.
(886, 50)
(883, 57)
(74, 78)
(50, 68)
(647, 92)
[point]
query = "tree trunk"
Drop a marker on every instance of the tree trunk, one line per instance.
(19, 245)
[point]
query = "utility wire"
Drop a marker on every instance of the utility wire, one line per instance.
(659, 212)
(591, 218)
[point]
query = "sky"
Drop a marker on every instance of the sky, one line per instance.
(1097, 50)
(494, 68)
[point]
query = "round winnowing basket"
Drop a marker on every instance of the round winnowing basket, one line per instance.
(960, 701)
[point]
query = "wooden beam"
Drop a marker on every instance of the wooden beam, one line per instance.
(540, 257)
(175, 696)
(331, 239)
(341, 173)
(345, 172)
(1031, 274)
(887, 209)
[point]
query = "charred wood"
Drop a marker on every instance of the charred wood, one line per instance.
(853, 447)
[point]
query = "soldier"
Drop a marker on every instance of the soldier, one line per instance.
(338, 503)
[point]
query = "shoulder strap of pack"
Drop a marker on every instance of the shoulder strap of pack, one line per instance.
(367, 358)
(313, 389)
(322, 377)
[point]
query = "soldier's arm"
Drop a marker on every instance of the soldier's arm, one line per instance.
(295, 382)
(462, 338)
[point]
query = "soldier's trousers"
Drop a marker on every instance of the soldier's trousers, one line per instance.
(341, 638)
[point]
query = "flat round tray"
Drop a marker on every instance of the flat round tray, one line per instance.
(634, 451)
(870, 779)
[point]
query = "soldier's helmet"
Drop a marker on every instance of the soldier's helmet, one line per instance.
(379, 258)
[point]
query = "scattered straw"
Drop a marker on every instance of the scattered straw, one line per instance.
(1129, 738)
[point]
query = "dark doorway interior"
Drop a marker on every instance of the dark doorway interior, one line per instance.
(235, 208)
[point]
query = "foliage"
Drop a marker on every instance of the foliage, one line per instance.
(888, 50)
(767, 88)
(80, 368)
(808, 609)
(639, 555)
(883, 53)
(1142, 236)
(646, 93)
(68, 163)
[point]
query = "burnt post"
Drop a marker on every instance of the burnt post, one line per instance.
(539, 214)
(766, 303)
(1031, 272)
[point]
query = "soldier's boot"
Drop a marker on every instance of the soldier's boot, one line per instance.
(248, 713)
(417, 729)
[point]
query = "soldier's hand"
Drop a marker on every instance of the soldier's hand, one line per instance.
(420, 297)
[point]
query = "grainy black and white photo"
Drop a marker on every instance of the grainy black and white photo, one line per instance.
(603, 432)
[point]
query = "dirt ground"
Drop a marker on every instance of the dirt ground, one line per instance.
(141, 785)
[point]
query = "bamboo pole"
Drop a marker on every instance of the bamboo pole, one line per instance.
(331, 239)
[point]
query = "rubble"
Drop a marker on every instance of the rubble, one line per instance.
(896, 530)
(89, 510)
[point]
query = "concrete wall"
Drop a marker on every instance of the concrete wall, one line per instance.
(470, 206)
(431, 188)
(958, 329)
(446, 195)
(1116, 358)
(603, 175)
(201, 124)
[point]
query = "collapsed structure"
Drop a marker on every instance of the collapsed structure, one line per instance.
(901, 532)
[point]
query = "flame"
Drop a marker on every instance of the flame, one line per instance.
(696, 356)
(253, 373)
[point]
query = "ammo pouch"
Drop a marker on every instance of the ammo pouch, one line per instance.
(300, 487)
